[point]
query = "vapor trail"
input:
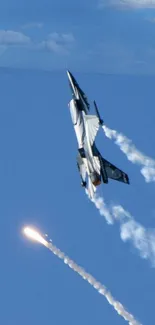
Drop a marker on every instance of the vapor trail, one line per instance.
(141, 238)
(102, 207)
(133, 154)
(86, 276)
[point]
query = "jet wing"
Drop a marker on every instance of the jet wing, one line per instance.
(115, 173)
(92, 126)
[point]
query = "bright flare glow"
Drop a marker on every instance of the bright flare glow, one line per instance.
(33, 234)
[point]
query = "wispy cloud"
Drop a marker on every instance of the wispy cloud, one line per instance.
(2, 49)
(127, 4)
(151, 20)
(32, 25)
(58, 43)
(13, 38)
(113, 56)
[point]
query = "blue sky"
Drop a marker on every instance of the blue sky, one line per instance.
(104, 47)
(105, 36)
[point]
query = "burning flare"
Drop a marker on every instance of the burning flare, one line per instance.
(33, 234)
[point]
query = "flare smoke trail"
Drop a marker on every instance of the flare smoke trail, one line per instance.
(133, 155)
(130, 230)
(86, 276)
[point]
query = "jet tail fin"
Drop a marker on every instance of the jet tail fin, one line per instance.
(98, 114)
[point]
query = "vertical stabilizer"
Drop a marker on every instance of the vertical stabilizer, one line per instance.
(98, 114)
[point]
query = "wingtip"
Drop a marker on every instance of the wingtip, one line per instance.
(127, 178)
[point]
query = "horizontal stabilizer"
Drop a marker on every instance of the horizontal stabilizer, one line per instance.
(115, 173)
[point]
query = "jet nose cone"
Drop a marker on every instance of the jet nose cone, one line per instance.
(69, 76)
(68, 73)
(71, 80)
(73, 84)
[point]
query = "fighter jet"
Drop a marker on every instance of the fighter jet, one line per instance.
(93, 168)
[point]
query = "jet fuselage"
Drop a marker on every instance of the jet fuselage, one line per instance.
(85, 149)
(90, 163)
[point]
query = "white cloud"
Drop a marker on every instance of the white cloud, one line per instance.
(59, 43)
(10, 38)
(127, 4)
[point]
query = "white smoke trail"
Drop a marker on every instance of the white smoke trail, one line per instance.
(101, 206)
(130, 230)
(133, 155)
(103, 209)
(96, 285)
